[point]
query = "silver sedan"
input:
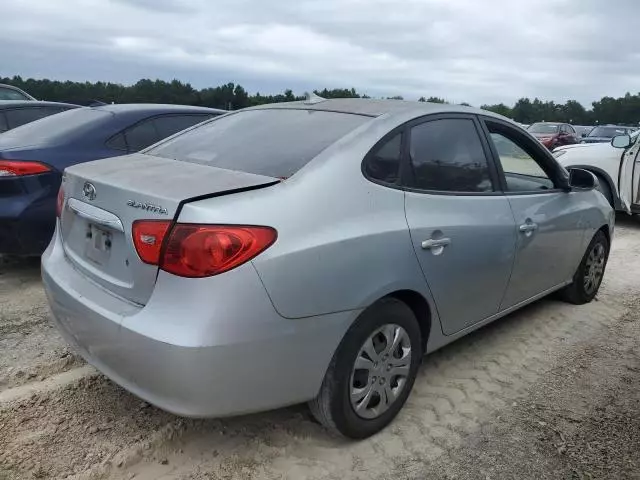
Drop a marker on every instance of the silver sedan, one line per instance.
(314, 252)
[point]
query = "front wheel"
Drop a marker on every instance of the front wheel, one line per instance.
(372, 371)
(588, 276)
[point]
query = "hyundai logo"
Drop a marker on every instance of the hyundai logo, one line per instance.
(89, 191)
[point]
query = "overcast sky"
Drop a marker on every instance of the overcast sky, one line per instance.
(478, 51)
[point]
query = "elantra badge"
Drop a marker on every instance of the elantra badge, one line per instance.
(149, 207)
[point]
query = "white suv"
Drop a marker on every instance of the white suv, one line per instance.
(616, 164)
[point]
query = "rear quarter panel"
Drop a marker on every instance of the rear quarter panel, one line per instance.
(343, 242)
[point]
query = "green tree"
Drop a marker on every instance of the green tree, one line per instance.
(500, 109)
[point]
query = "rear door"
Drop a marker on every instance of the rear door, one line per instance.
(461, 225)
(548, 219)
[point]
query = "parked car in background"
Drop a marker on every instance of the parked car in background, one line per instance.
(9, 92)
(553, 135)
(617, 168)
(604, 133)
(582, 130)
(15, 113)
(33, 157)
(193, 275)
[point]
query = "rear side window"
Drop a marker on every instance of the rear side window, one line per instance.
(383, 163)
(142, 135)
(271, 142)
(447, 155)
(118, 142)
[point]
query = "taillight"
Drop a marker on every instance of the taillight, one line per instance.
(197, 251)
(9, 168)
(148, 236)
(206, 250)
(60, 201)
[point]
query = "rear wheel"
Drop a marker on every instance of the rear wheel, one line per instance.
(372, 371)
(588, 277)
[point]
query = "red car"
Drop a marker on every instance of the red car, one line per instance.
(553, 135)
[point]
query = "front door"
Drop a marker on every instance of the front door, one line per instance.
(629, 180)
(548, 219)
(462, 228)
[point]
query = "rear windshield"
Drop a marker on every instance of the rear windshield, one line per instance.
(55, 127)
(608, 132)
(549, 128)
(271, 142)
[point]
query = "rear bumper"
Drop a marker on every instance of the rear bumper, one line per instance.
(27, 213)
(200, 347)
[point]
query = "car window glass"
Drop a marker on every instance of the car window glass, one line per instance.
(21, 116)
(3, 123)
(447, 155)
(521, 171)
(571, 130)
(383, 163)
(118, 142)
(142, 135)
(170, 124)
(11, 94)
(273, 142)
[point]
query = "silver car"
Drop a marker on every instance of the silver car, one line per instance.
(313, 252)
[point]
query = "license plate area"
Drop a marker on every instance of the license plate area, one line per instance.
(99, 244)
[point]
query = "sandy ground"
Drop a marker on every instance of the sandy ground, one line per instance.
(552, 391)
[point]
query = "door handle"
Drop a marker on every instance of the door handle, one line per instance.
(432, 243)
(528, 227)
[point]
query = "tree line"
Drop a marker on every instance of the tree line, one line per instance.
(624, 110)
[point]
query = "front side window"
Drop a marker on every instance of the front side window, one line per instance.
(447, 155)
(383, 163)
(522, 172)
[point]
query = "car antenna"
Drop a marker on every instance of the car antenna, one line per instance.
(311, 98)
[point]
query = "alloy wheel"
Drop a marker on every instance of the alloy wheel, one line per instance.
(594, 268)
(380, 371)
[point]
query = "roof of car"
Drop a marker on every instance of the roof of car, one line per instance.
(154, 107)
(376, 107)
(33, 103)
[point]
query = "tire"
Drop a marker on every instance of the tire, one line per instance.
(605, 189)
(334, 406)
(579, 292)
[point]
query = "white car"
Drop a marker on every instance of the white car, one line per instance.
(616, 164)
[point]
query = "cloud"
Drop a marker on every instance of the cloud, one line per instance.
(463, 50)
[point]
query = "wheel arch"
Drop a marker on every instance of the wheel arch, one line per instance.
(602, 175)
(420, 308)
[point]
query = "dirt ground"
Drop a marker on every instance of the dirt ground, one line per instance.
(550, 392)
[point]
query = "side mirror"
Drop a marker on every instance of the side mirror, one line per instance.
(621, 141)
(584, 135)
(579, 178)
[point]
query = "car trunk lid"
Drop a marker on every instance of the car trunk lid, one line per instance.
(105, 197)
